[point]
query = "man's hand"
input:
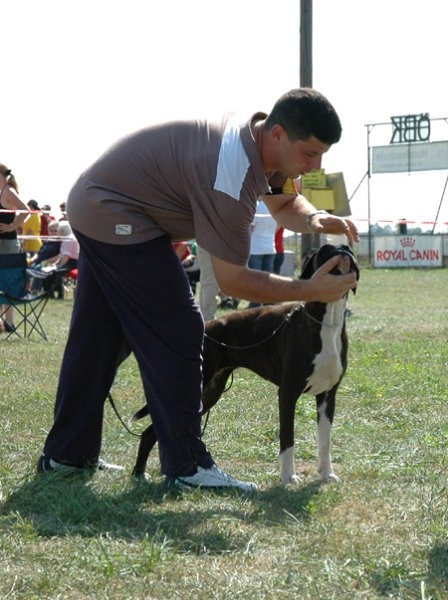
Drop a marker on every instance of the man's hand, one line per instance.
(327, 223)
(324, 287)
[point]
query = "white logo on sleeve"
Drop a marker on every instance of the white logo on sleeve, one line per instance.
(123, 229)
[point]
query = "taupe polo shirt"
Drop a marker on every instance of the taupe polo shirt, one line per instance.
(189, 179)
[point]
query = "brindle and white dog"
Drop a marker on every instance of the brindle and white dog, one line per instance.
(300, 347)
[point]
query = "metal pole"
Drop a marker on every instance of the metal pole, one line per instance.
(306, 43)
(440, 205)
(369, 225)
(309, 241)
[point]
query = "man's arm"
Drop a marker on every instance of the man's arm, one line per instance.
(241, 282)
(297, 214)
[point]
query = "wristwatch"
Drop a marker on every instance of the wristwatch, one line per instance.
(310, 216)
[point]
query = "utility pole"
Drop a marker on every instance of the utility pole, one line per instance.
(306, 43)
(309, 240)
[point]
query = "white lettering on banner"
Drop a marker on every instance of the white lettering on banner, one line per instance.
(404, 158)
(407, 251)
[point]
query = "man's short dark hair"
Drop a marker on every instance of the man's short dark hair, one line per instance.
(303, 113)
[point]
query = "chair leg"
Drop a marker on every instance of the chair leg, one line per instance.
(28, 315)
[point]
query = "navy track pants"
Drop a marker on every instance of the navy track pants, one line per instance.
(132, 298)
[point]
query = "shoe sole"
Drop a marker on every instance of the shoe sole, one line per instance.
(46, 464)
(184, 486)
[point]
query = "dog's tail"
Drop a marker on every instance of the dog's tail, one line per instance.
(143, 412)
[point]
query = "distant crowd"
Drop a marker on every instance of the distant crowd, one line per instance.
(49, 244)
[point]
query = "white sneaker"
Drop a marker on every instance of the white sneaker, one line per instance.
(211, 479)
(102, 465)
(46, 465)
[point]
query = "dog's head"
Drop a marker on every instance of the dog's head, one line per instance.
(314, 260)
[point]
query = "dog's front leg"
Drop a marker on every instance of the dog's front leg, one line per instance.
(325, 414)
(288, 473)
(287, 465)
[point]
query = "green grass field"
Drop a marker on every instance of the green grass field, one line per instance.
(382, 532)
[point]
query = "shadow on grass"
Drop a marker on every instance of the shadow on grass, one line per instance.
(52, 505)
(438, 566)
(278, 504)
(395, 579)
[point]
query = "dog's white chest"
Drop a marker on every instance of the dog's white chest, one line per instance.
(327, 365)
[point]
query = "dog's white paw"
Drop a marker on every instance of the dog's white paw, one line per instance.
(329, 477)
(292, 480)
(143, 478)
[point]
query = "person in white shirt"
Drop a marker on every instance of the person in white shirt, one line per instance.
(262, 242)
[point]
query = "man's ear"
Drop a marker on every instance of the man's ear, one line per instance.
(277, 133)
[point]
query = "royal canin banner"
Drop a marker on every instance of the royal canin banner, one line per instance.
(408, 251)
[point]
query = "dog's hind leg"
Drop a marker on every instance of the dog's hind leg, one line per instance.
(212, 391)
(325, 414)
(147, 443)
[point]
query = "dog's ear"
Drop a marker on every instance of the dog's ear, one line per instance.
(308, 265)
(315, 259)
(355, 268)
(353, 263)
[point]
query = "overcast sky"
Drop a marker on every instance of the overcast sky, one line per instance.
(79, 74)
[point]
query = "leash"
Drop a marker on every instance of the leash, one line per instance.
(337, 326)
(285, 320)
(139, 435)
(112, 403)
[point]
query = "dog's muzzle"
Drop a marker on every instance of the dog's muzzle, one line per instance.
(315, 260)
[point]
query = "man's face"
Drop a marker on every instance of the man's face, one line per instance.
(298, 157)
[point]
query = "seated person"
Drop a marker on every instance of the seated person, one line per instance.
(50, 248)
(66, 259)
(68, 255)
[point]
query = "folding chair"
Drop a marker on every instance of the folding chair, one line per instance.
(28, 307)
